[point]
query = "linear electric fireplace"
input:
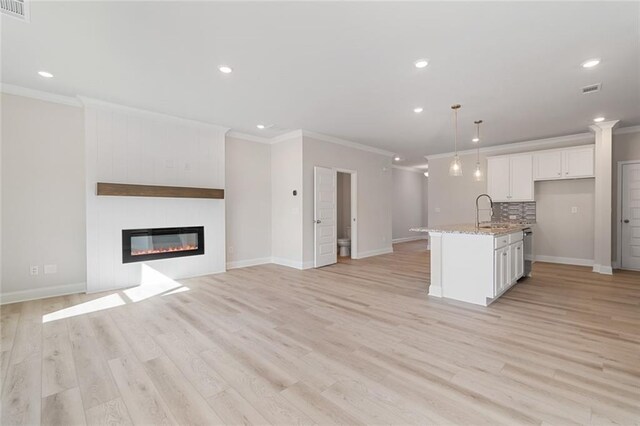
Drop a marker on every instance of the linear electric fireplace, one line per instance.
(139, 245)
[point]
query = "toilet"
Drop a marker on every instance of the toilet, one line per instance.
(345, 244)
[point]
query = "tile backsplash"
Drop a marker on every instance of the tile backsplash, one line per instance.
(515, 212)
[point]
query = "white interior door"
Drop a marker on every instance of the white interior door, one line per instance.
(631, 216)
(325, 213)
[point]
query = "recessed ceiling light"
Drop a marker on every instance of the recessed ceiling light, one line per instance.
(475, 140)
(598, 119)
(396, 158)
(45, 74)
(421, 63)
(590, 63)
(225, 69)
(417, 110)
(426, 174)
(260, 126)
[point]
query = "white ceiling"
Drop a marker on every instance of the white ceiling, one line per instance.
(343, 69)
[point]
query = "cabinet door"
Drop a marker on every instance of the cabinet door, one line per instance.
(519, 263)
(498, 180)
(578, 162)
(501, 272)
(521, 167)
(547, 165)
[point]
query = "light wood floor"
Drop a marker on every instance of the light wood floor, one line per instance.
(354, 343)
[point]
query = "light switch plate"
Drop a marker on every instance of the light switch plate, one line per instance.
(34, 270)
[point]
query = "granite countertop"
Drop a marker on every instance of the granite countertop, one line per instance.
(469, 228)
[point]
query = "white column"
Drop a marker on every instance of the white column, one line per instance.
(603, 197)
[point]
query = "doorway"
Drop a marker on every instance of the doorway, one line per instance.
(629, 214)
(335, 215)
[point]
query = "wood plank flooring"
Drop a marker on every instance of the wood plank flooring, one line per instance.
(359, 342)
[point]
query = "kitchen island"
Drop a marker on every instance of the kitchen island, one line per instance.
(475, 264)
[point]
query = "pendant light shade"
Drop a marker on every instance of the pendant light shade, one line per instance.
(455, 167)
(478, 176)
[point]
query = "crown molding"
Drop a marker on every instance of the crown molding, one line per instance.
(287, 136)
(248, 137)
(537, 143)
(11, 89)
(96, 103)
(344, 142)
(410, 169)
(605, 125)
(626, 130)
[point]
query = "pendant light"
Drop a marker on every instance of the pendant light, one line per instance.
(478, 176)
(455, 168)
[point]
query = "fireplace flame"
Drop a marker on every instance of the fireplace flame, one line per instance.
(184, 247)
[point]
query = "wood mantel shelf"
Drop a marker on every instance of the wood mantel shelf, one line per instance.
(127, 190)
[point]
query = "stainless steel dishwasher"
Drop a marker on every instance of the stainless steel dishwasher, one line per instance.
(528, 250)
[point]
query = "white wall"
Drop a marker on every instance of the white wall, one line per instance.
(626, 147)
(344, 204)
(248, 202)
(286, 209)
(408, 203)
(374, 184)
(560, 234)
(130, 146)
(43, 206)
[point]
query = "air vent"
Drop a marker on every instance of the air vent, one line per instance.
(592, 88)
(15, 8)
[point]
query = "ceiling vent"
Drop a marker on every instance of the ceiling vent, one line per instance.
(16, 8)
(592, 88)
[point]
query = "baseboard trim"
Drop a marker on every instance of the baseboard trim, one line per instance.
(564, 260)
(248, 262)
(407, 239)
(287, 262)
(604, 270)
(371, 253)
(42, 293)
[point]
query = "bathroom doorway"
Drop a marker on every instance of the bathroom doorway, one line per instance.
(346, 197)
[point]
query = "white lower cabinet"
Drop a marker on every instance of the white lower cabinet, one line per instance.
(508, 262)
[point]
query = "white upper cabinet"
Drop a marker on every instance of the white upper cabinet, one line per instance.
(567, 163)
(510, 177)
(578, 162)
(521, 177)
(547, 165)
(498, 178)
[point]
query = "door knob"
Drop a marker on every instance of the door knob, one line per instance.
(626, 221)
(317, 221)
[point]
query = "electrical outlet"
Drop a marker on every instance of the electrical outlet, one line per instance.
(51, 269)
(437, 209)
(34, 270)
(574, 209)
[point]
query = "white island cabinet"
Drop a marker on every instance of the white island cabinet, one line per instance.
(474, 265)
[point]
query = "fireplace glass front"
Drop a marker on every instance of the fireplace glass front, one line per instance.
(159, 243)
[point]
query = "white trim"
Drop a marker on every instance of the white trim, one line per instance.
(42, 293)
(618, 261)
(626, 130)
(605, 270)
(564, 260)
(11, 89)
(248, 137)
(248, 262)
(286, 136)
(287, 262)
(407, 239)
(344, 142)
(152, 115)
(409, 169)
(521, 145)
(372, 253)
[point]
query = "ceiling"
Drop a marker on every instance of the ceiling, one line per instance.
(344, 69)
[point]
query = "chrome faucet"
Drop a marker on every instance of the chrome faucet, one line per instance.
(478, 209)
